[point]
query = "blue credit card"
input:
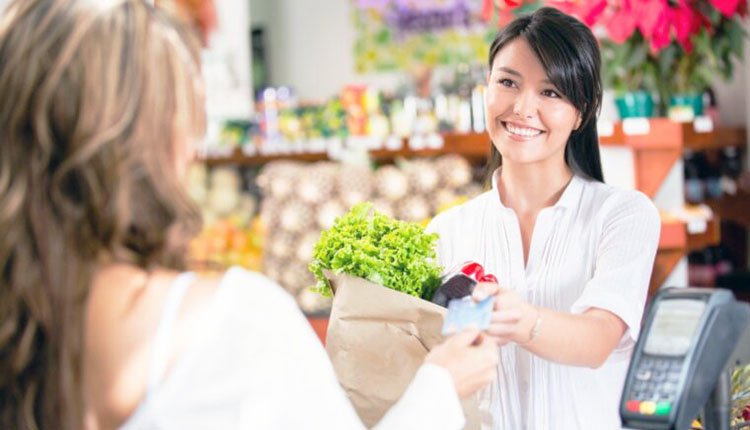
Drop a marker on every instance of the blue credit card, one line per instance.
(464, 313)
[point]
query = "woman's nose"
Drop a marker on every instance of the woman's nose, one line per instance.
(525, 105)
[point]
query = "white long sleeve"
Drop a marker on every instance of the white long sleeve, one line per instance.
(257, 364)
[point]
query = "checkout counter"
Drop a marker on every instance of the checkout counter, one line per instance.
(691, 340)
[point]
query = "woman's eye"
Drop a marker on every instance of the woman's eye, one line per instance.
(551, 93)
(506, 83)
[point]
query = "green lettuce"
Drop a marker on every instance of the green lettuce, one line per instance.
(370, 245)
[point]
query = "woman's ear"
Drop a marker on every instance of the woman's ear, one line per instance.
(579, 119)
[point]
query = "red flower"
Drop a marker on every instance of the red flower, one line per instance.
(590, 12)
(621, 23)
(727, 7)
(651, 13)
(686, 23)
(661, 35)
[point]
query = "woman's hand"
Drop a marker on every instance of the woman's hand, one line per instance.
(513, 319)
(469, 357)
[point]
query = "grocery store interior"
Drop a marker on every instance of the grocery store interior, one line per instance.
(322, 107)
(316, 107)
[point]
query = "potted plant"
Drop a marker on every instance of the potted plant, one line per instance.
(632, 73)
(687, 69)
(675, 48)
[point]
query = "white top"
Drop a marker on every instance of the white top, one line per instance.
(593, 249)
(257, 364)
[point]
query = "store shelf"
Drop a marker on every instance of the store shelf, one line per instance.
(662, 133)
(710, 237)
(733, 208)
(720, 138)
(675, 242)
(474, 146)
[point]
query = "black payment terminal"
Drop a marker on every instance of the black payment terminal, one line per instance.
(687, 337)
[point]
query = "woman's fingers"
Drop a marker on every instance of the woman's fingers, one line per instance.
(485, 289)
(501, 329)
(509, 316)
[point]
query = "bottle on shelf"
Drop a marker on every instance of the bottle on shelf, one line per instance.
(730, 168)
(694, 186)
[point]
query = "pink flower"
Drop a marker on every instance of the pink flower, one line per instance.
(685, 22)
(621, 23)
(651, 12)
(727, 7)
(590, 12)
(660, 37)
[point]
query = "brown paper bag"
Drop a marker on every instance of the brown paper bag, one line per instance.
(377, 339)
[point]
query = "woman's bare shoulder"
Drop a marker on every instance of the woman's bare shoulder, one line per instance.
(124, 308)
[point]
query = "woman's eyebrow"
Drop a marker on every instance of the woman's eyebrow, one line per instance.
(509, 71)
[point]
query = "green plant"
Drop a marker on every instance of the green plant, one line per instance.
(370, 245)
(629, 66)
(714, 50)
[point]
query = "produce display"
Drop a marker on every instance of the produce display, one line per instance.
(302, 199)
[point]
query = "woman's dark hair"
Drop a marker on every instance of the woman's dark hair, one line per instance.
(570, 55)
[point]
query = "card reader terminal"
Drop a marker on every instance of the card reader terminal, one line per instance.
(687, 337)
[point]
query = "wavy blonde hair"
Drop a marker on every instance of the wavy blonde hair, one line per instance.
(99, 99)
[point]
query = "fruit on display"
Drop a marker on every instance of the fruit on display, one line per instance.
(355, 184)
(299, 200)
(295, 216)
(414, 208)
(316, 184)
(328, 212)
(422, 175)
(391, 183)
(454, 171)
(228, 242)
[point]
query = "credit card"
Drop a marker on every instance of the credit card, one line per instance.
(464, 313)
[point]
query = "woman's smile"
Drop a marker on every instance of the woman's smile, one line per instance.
(521, 132)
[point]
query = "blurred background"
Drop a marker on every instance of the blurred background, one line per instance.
(316, 105)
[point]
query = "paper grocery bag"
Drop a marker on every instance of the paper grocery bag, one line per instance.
(377, 339)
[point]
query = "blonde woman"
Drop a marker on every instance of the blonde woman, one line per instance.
(99, 328)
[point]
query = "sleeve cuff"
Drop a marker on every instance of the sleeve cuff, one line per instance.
(430, 402)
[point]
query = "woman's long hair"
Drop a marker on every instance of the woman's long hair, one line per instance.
(570, 55)
(98, 98)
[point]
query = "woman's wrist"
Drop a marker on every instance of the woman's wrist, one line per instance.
(534, 330)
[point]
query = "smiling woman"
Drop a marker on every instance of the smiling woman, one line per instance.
(555, 73)
(572, 255)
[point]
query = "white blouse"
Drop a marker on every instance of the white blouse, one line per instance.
(593, 249)
(257, 364)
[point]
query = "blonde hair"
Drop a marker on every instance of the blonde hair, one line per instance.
(98, 98)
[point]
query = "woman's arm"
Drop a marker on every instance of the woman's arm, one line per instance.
(578, 340)
(295, 386)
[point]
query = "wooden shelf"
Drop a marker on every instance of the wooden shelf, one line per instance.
(710, 237)
(675, 236)
(722, 137)
(665, 134)
(474, 146)
(733, 208)
(674, 243)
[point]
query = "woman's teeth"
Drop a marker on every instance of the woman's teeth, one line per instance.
(521, 131)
